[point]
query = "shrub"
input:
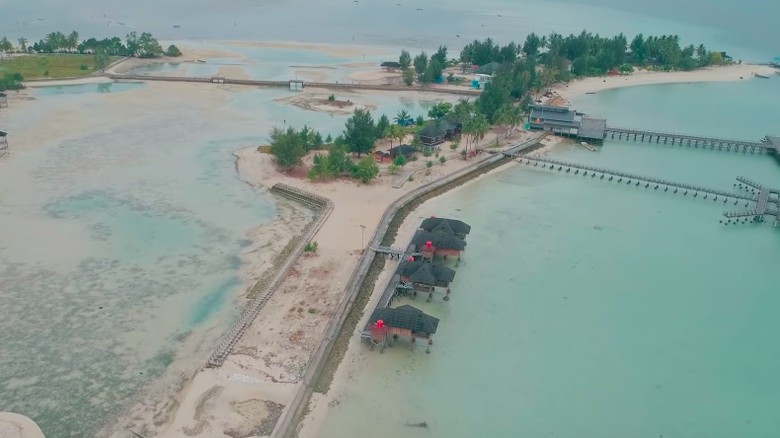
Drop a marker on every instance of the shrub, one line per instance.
(173, 51)
(442, 159)
(83, 67)
(454, 145)
(419, 121)
(427, 152)
(399, 161)
(332, 97)
(311, 247)
(392, 169)
(46, 72)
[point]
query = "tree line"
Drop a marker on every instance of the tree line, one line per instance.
(141, 46)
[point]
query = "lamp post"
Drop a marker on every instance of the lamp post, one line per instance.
(362, 230)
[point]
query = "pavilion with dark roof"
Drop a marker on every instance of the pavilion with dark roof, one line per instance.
(406, 321)
(425, 276)
(451, 226)
(437, 243)
(432, 135)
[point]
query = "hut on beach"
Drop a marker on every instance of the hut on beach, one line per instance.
(451, 226)
(438, 243)
(390, 66)
(3, 100)
(388, 324)
(432, 135)
(405, 150)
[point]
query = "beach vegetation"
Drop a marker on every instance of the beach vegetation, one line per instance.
(442, 160)
(60, 65)
(366, 170)
(440, 55)
(172, 51)
(392, 169)
(360, 132)
(426, 152)
(11, 81)
(420, 64)
(382, 125)
(405, 60)
(311, 247)
(408, 77)
(439, 110)
(399, 161)
(335, 164)
(401, 117)
(332, 98)
(625, 69)
(328, 139)
(6, 46)
(395, 132)
(433, 72)
(419, 121)
(288, 147)
(454, 145)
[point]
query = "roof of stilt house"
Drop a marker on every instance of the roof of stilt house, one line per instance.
(406, 317)
(439, 239)
(426, 273)
(3, 134)
(453, 226)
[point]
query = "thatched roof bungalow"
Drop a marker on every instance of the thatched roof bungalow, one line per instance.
(422, 273)
(438, 243)
(406, 321)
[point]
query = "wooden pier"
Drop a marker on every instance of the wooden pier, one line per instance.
(687, 140)
(763, 198)
(292, 84)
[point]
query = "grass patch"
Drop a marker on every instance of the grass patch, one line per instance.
(51, 65)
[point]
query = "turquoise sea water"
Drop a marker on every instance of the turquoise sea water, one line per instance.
(587, 308)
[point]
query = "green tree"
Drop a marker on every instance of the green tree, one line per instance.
(382, 126)
(401, 117)
(503, 117)
(626, 69)
(5, 45)
(399, 161)
(495, 96)
(439, 110)
(395, 132)
(360, 132)
(405, 60)
(148, 46)
(429, 164)
(419, 121)
(338, 163)
(408, 76)
(328, 139)
(392, 169)
(366, 170)
(432, 72)
(440, 55)
(172, 51)
(132, 44)
(288, 148)
(420, 64)
(11, 81)
(22, 45)
(102, 59)
(716, 58)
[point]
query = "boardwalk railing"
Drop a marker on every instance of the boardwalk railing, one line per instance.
(686, 139)
(632, 178)
(323, 207)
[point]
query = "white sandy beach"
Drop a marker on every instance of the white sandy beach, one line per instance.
(727, 73)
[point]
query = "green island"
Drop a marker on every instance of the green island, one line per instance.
(58, 56)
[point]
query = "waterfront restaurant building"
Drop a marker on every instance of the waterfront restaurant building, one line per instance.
(565, 121)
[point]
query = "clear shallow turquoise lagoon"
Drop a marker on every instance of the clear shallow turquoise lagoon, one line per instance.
(588, 308)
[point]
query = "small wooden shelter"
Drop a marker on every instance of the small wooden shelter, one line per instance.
(438, 243)
(388, 324)
(407, 151)
(3, 100)
(390, 66)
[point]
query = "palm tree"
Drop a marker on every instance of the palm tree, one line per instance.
(503, 117)
(402, 117)
(481, 128)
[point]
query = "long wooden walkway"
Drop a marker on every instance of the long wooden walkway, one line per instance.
(687, 140)
(286, 84)
(637, 180)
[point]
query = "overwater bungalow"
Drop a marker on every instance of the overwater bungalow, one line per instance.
(388, 324)
(438, 243)
(419, 275)
(451, 226)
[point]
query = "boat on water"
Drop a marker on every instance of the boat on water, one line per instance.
(758, 75)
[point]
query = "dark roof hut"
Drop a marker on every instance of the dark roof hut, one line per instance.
(390, 65)
(427, 274)
(438, 243)
(432, 135)
(451, 226)
(404, 149)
